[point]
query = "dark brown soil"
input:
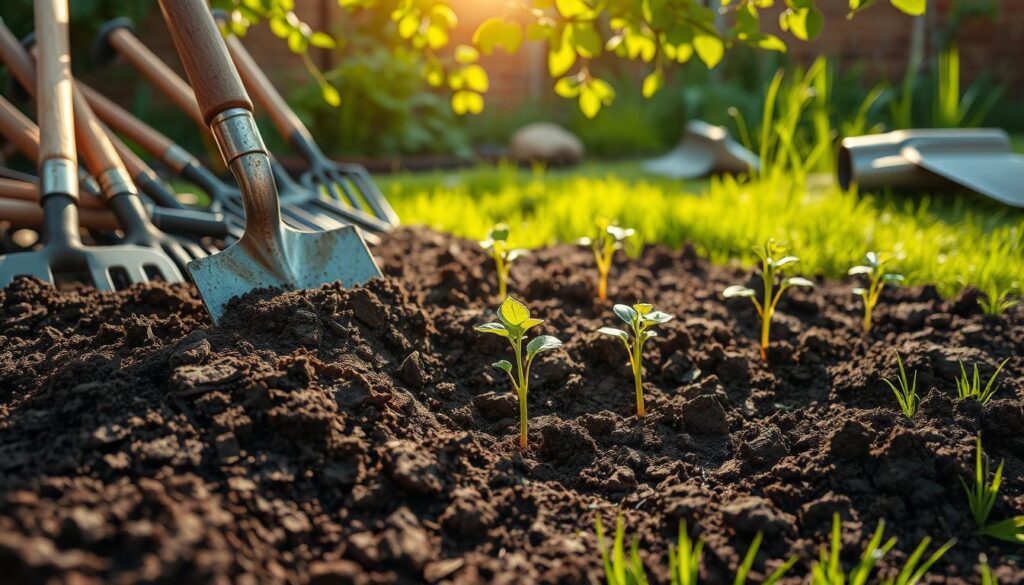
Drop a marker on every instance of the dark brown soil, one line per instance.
(360, 436)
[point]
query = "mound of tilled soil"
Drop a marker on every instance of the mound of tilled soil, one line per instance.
(360, 436)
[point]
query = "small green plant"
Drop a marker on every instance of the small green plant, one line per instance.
(981, 498)
(610, 238)
(987, 578)
(618, 568)
(684, 558)
(970, 386)
(773, 261)
(906, 392)
(873, 268)
(497, 246)
(996, 300)
(640, 317)
(514, 321)
(828, 570)
(748, 562)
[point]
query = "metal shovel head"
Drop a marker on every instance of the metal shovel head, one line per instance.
(104, 267)
(704, 149)
(997, 175)
(293, 260)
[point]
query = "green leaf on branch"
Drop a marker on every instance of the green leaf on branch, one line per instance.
(709, 48)
(805, 23)
(322, 40)
(911, 7)
(595, 94)
(467, 102)
(585, 39)
(561, 55)
(653, 82)
(495, 32)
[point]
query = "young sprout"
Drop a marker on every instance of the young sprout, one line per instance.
(497, 245)
(970, 387)
(987, 578)
(618, 569)
(996, 300)
(610, 238)
(684, 560)
(982, 497)
(513, 322)
(906, 392)
(775, 283)
(874, 269)
(639, 317)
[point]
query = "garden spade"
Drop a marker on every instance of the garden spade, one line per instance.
(269, 254)
(63, 256)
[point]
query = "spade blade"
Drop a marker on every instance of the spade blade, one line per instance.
(295, 260)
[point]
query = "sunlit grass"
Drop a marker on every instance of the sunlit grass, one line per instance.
(947, 240)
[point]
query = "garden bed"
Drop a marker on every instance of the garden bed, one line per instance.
(338, 436)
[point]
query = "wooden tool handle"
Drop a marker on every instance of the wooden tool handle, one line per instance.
(16, 59)
(206, 60)
(168, 82)
(23, 191)
(30, 214)
(54, 86)
(124, 123)
(285, 120)
(17, 128)
(97, 149)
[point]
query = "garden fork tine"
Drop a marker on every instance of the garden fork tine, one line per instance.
(269, 254)
(63, 253)
(303, 208)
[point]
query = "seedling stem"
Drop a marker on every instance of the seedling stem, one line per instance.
(639, 317)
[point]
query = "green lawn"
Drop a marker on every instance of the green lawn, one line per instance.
(944, 239)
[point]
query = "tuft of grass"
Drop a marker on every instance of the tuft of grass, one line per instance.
(620, 569)
(951, 241)
(997, 299)
(684, 558)
(970, 386)
(981, 497)
(828, 570)
(905, 391)
(873, 268)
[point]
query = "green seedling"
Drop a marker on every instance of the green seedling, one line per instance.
(497, 246)
(618, 568)
(828, 570)
(914, 569)
(982, 496)
(874, 269)
(996, 300)
(684, 559)
(970, 386)
(748, 562)
(773, 261)
(906, 391)
(514, 321)
(610, 238)
(640, 317)
(987, 578)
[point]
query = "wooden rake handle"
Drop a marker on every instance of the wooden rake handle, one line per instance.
(53, 82)
(16, 127)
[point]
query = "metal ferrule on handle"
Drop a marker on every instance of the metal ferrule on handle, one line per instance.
(115, 181)
(241, 146)
(178, 159)
(58, 176)
(236, 134)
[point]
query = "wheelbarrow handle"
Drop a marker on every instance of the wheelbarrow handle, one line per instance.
(207, 64)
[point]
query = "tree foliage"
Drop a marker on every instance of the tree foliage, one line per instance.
(657, 33)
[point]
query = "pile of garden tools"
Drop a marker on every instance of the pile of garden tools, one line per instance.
(97, 214)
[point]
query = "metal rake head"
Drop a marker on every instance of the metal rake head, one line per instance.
(351, 185)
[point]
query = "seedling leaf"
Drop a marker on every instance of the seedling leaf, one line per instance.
(643, 308)
(542, 343)
(738, 291)
(531, 322)
(1010, 530)
(513, 312)
(856, 270)
(503, 365)
(614, 332)
(656, 317)
(495, 328)
(798, 281)
(786, 261)
(625, 312)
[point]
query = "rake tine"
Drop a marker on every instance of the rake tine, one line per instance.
(318, 221)
(350, 216)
